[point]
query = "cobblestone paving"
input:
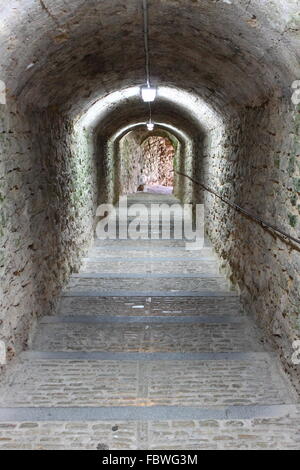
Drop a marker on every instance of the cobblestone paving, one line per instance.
(169, 362)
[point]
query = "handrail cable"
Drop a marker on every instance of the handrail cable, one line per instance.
(241, 209)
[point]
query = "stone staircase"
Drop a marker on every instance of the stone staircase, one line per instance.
(150, 349)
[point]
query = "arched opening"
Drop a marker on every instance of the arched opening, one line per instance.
(157, 165)
(145, 161)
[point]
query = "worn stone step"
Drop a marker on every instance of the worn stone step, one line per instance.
(150, 212)
(141, 225)
(141, 293)
(124, 219)
(147, 235)
(138, 252)
(145, 356)
(157, 414)
(148, 202)
(153, 258)
(145, 337)
(143, 197)
(150, 265)
(269, 428)
(141, 243)
(145, 276)
(118, 252)
(144, 319)
(126, 284)
(148, 198)
(47, 382)
(161, 306)
(151, 245)
(154, 248)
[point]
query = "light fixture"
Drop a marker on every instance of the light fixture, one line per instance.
(150, 125)
(148, 93)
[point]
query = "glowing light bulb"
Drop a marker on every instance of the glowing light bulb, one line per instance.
(148, 93)
(150, 125)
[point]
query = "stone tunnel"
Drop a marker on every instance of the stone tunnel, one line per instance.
(72, 128)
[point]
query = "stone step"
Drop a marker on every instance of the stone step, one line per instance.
(140, 243)
(153, 248)
(144, 197)
(190, 257)
(172, 284)
(123, 252)
(183, 335)
(157, 414)
(150, 265)
(145, 276)
(124, 216)
(148, 245)
(137, 235)
(148, 198)
(50, 381)
(147, 202)
(248, 428)
(144, 319)
(140, 293)
(148, 216)
(154, 306)
(134, 213)
(123, 219)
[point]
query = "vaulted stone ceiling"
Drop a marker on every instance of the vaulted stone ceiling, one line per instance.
(68, 53)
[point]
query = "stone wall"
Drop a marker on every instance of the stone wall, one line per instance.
(48, 194)
(157, 161)
(256, 165)
(133, 158)
(130, 158)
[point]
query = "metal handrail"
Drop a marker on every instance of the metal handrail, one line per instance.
(258, 219)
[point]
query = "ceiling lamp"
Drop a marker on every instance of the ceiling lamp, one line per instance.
(150, 125)
(148, 93)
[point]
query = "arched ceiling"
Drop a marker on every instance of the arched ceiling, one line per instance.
(68, 53)
(173, 107)
(161, 129)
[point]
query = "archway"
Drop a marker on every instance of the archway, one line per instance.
(157, 166)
